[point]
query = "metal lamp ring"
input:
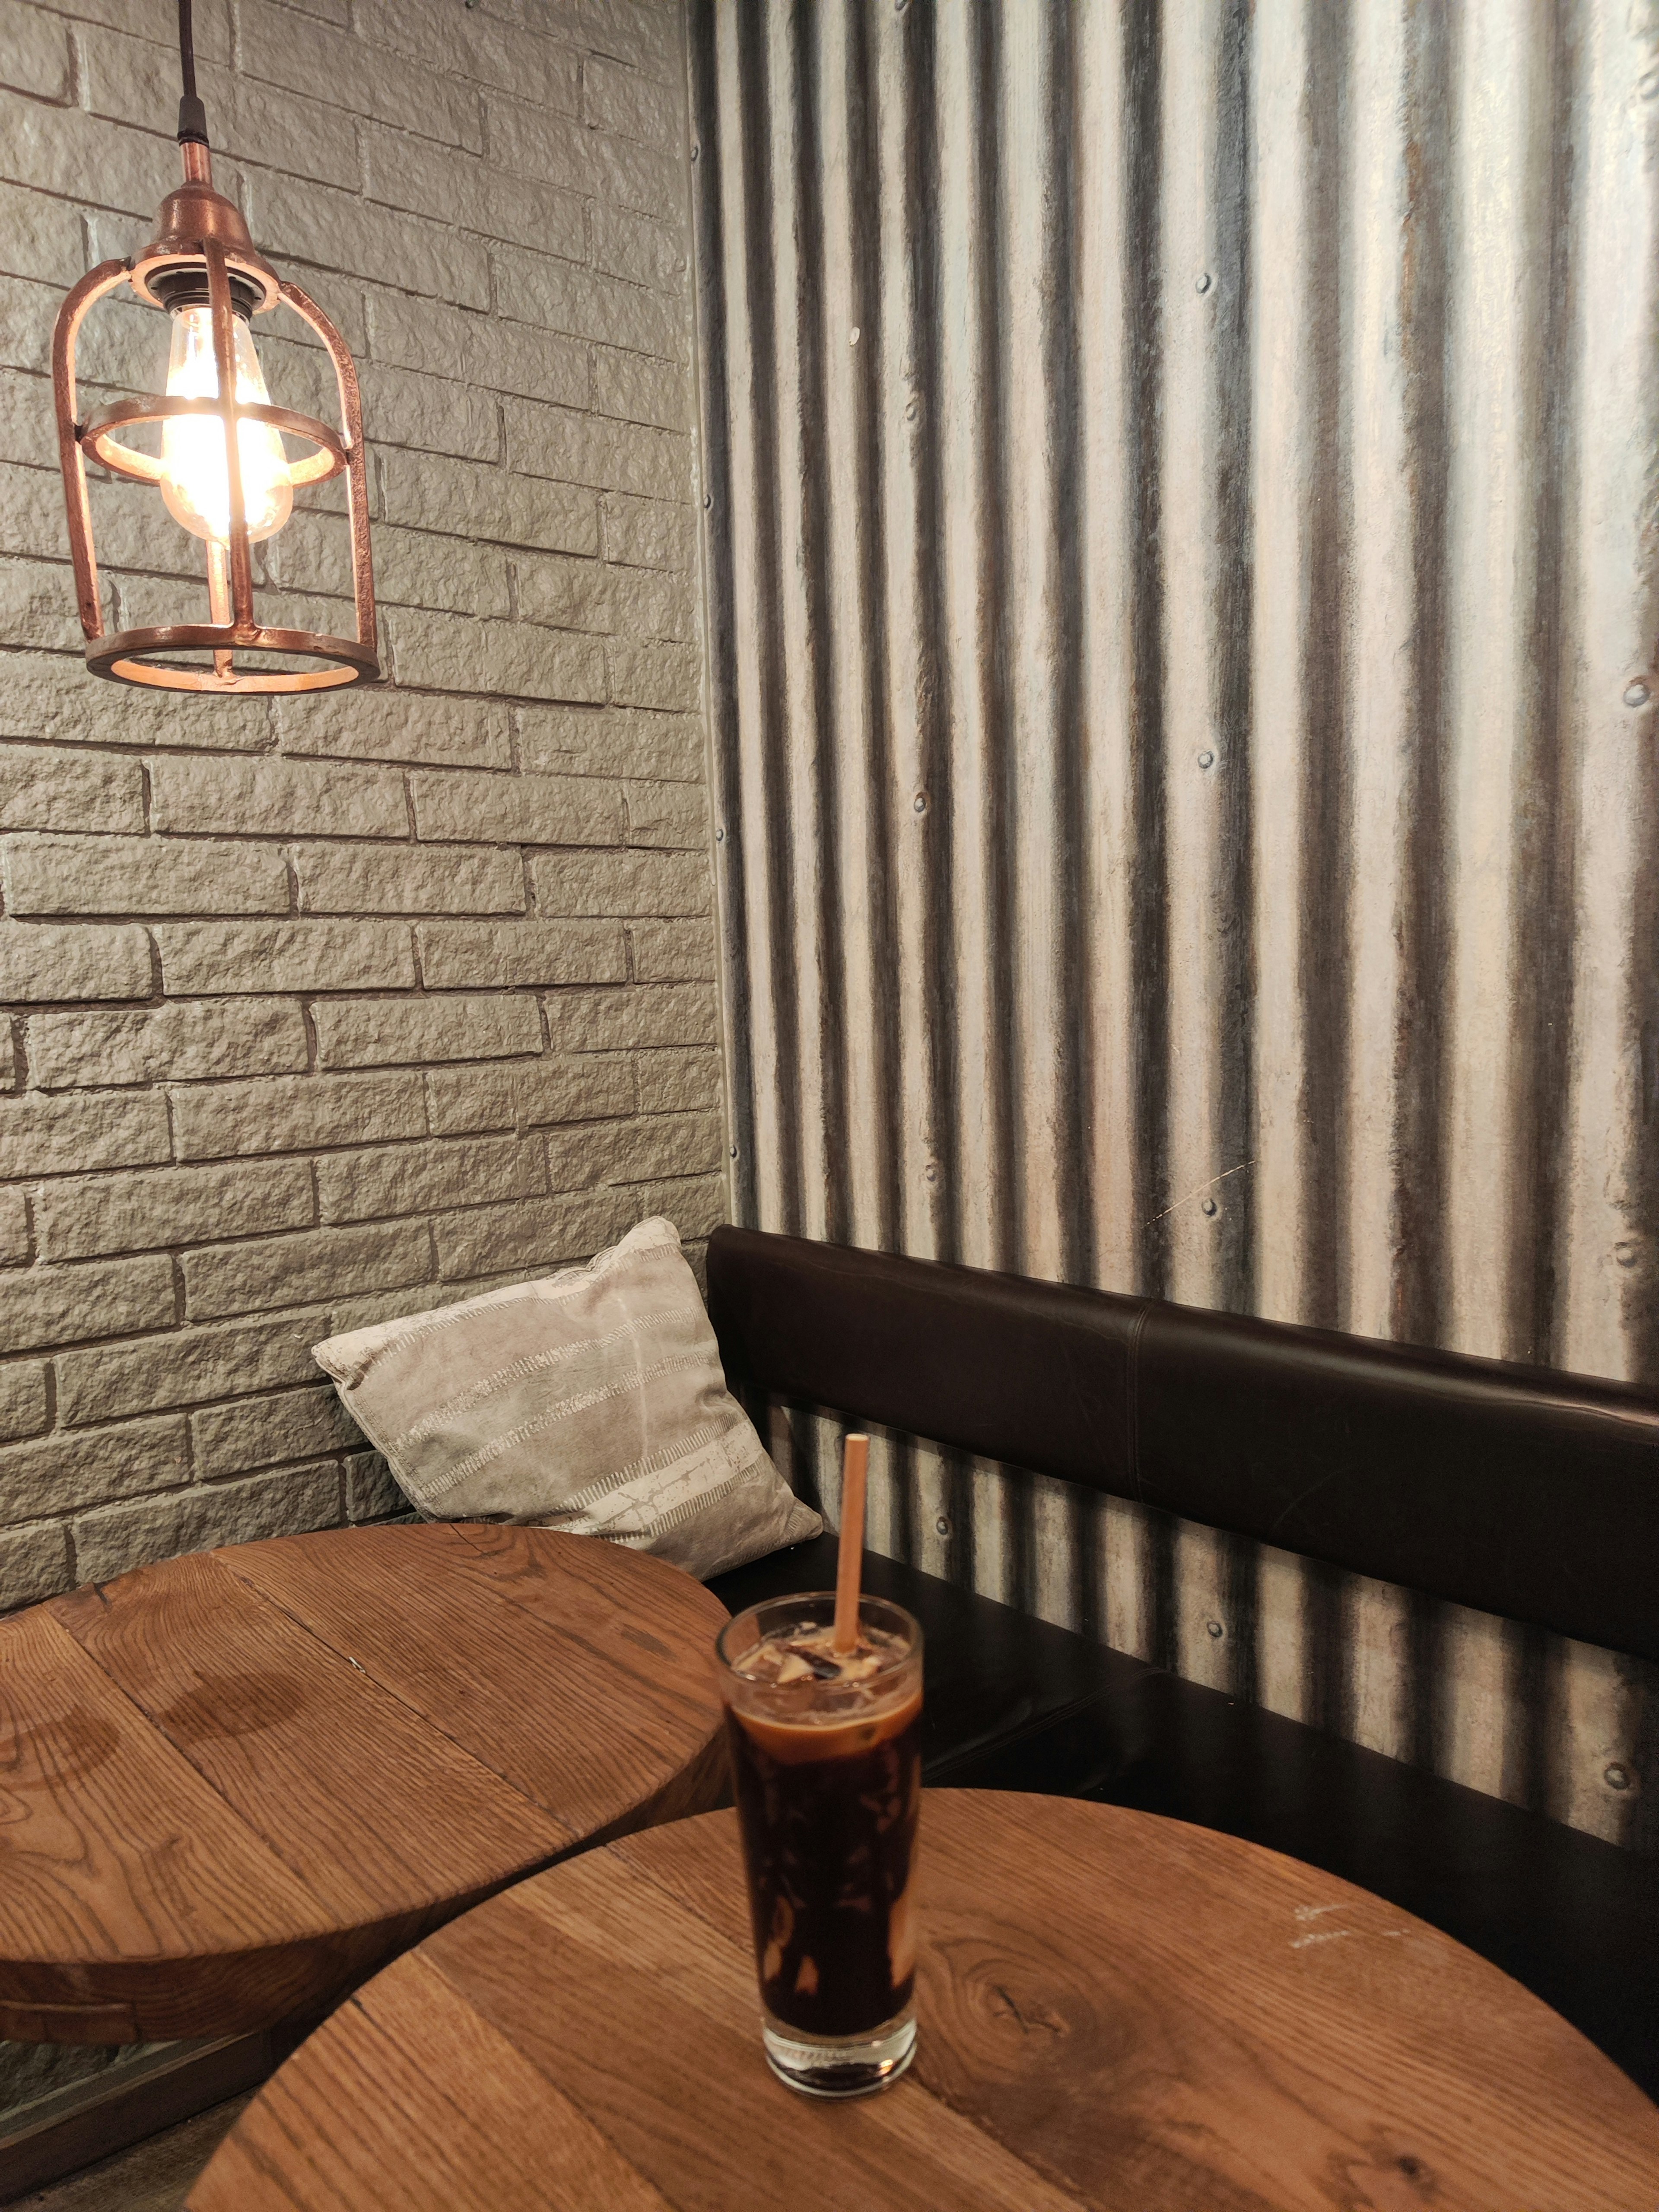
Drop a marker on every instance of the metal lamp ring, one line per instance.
(129, 657)
(97, 438)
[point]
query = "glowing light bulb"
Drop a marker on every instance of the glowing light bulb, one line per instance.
(194, 481)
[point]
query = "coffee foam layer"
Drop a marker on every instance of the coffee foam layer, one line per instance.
(831, 1735)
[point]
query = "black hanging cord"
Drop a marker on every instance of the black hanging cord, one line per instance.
(193, 116)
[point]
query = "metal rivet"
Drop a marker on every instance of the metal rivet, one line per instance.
(931, 1172)
(1207, 760)
(1208, 1206)
(910, 412)
(943, 1526)
(1215, 1629)
(1617, 1776)
(1636, 695)
(720, 836)
(1626, 1253)
(708, 500)
(855, 334)
(696, 150)
(1203, 283)
(919, 804)
(734, 1152)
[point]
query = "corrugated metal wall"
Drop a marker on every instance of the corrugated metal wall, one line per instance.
(1183, 549)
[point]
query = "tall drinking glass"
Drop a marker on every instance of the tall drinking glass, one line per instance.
(826, 1763)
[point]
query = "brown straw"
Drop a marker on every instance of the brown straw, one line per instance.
(856, 1460)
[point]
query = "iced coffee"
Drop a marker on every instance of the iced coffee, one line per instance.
(826, 1764)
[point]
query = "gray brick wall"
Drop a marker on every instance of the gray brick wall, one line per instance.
(317, 1011)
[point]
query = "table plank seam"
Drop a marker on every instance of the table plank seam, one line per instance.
(327, 1922)
(274, 1843)
(589, 2119)
(425, 1719)
(468, 1538)
(434, 1723)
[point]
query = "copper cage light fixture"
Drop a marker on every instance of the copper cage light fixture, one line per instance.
(224, 469)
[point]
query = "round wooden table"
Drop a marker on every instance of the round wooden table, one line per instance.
(1116, 2011)
(234, 1784)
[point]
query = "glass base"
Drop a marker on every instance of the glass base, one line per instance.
(840, 2066)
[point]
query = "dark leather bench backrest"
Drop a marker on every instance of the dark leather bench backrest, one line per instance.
(1515, 1490)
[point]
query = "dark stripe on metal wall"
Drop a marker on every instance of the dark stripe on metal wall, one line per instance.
(1182, 574)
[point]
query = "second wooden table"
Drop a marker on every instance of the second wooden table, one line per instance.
(1116, 2012)
(232, 1784)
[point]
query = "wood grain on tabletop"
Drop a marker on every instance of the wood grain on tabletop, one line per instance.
(232, 1784)
(1117, 2011)
(575, 1711)
(112, 1847)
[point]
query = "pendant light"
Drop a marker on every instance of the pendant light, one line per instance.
(226, 463)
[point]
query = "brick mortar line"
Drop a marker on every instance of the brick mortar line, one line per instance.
(556, 41)
(481, 89)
